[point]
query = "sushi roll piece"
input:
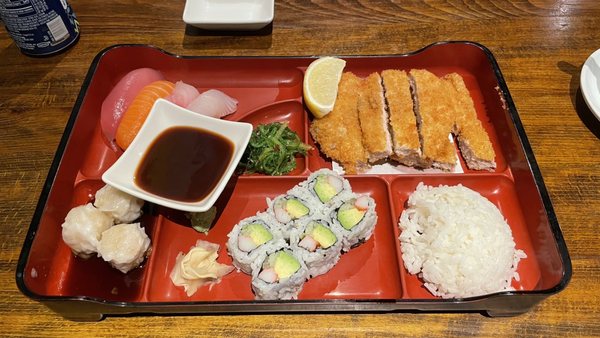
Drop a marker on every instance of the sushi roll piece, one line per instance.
(251, 238)
(83, 228)
(327, 187)
(124, 246)
(123, 207)
(280, 275)
(355, 219)
(317, 245)
(292, 207)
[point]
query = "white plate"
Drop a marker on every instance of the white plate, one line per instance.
(165, 115)
(590, 82)
(229, 14)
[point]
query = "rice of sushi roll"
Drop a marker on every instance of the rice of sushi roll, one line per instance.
(280, 275)
(124, 246)
(292, 207)
(355, 219)
(250, 239)
(317, 244)
(123, 207)
(83, 229)
(327, 186)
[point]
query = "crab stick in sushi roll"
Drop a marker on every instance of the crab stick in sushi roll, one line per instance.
(280, 275)
(355, 219)
(319, 247)
(251, 238)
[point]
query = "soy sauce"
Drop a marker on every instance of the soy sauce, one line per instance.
(184, 164)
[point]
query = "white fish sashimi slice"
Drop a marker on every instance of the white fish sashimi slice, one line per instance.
(213, 103)
(183, 94)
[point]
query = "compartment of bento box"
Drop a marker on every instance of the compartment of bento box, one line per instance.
(497, 189)
(369, 271)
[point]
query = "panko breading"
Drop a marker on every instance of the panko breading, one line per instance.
(473, 141)
(403, 124)
(434, 112)
(373, 119)
(338, 133)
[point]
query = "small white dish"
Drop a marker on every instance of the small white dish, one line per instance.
(229, 14)
(590, 82)
(165, 115)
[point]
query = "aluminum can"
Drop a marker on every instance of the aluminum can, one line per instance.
(40, 27)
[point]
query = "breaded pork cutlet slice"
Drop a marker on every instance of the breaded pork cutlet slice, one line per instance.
(433, 109)
(473, 141)
(403, 124)
(338, 133)
(373, 119)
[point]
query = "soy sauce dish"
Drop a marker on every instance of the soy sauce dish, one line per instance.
(180, 159)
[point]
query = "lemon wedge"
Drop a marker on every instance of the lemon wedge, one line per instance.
(320, 85)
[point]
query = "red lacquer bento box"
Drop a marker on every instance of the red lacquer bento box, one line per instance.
(369, 278)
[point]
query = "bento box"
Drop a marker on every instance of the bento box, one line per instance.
(369, 278)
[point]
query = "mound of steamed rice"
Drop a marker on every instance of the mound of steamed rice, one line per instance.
(457, 242)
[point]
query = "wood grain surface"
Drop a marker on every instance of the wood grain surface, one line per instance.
(539, 45)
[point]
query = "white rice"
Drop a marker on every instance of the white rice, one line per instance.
(458, 242)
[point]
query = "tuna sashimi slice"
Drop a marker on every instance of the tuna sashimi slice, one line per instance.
(121, 96)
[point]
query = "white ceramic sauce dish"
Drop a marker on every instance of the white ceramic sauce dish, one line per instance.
(163, 116)
(229, 14)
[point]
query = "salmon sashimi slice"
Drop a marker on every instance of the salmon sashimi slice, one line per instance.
(140, 107)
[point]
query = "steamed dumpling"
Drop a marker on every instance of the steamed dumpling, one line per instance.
(123, 207)
(83, 228)
(124, 246)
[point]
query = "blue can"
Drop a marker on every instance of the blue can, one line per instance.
(40, 27)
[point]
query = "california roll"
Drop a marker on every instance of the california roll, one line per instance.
(327, 187)
(251, 238)
(280, 275)
(355, 219)
(292, 207)
(318, 246)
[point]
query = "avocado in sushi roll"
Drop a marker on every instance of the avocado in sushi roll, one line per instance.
(289, 209)
(252, 236)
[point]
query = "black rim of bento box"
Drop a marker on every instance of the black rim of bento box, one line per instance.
(302, 305)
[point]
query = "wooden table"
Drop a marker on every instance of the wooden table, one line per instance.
(539, 45)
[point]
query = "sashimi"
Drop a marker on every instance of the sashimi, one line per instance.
(121, 96)
(183, 94)
(213, 103)
(136, 114)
